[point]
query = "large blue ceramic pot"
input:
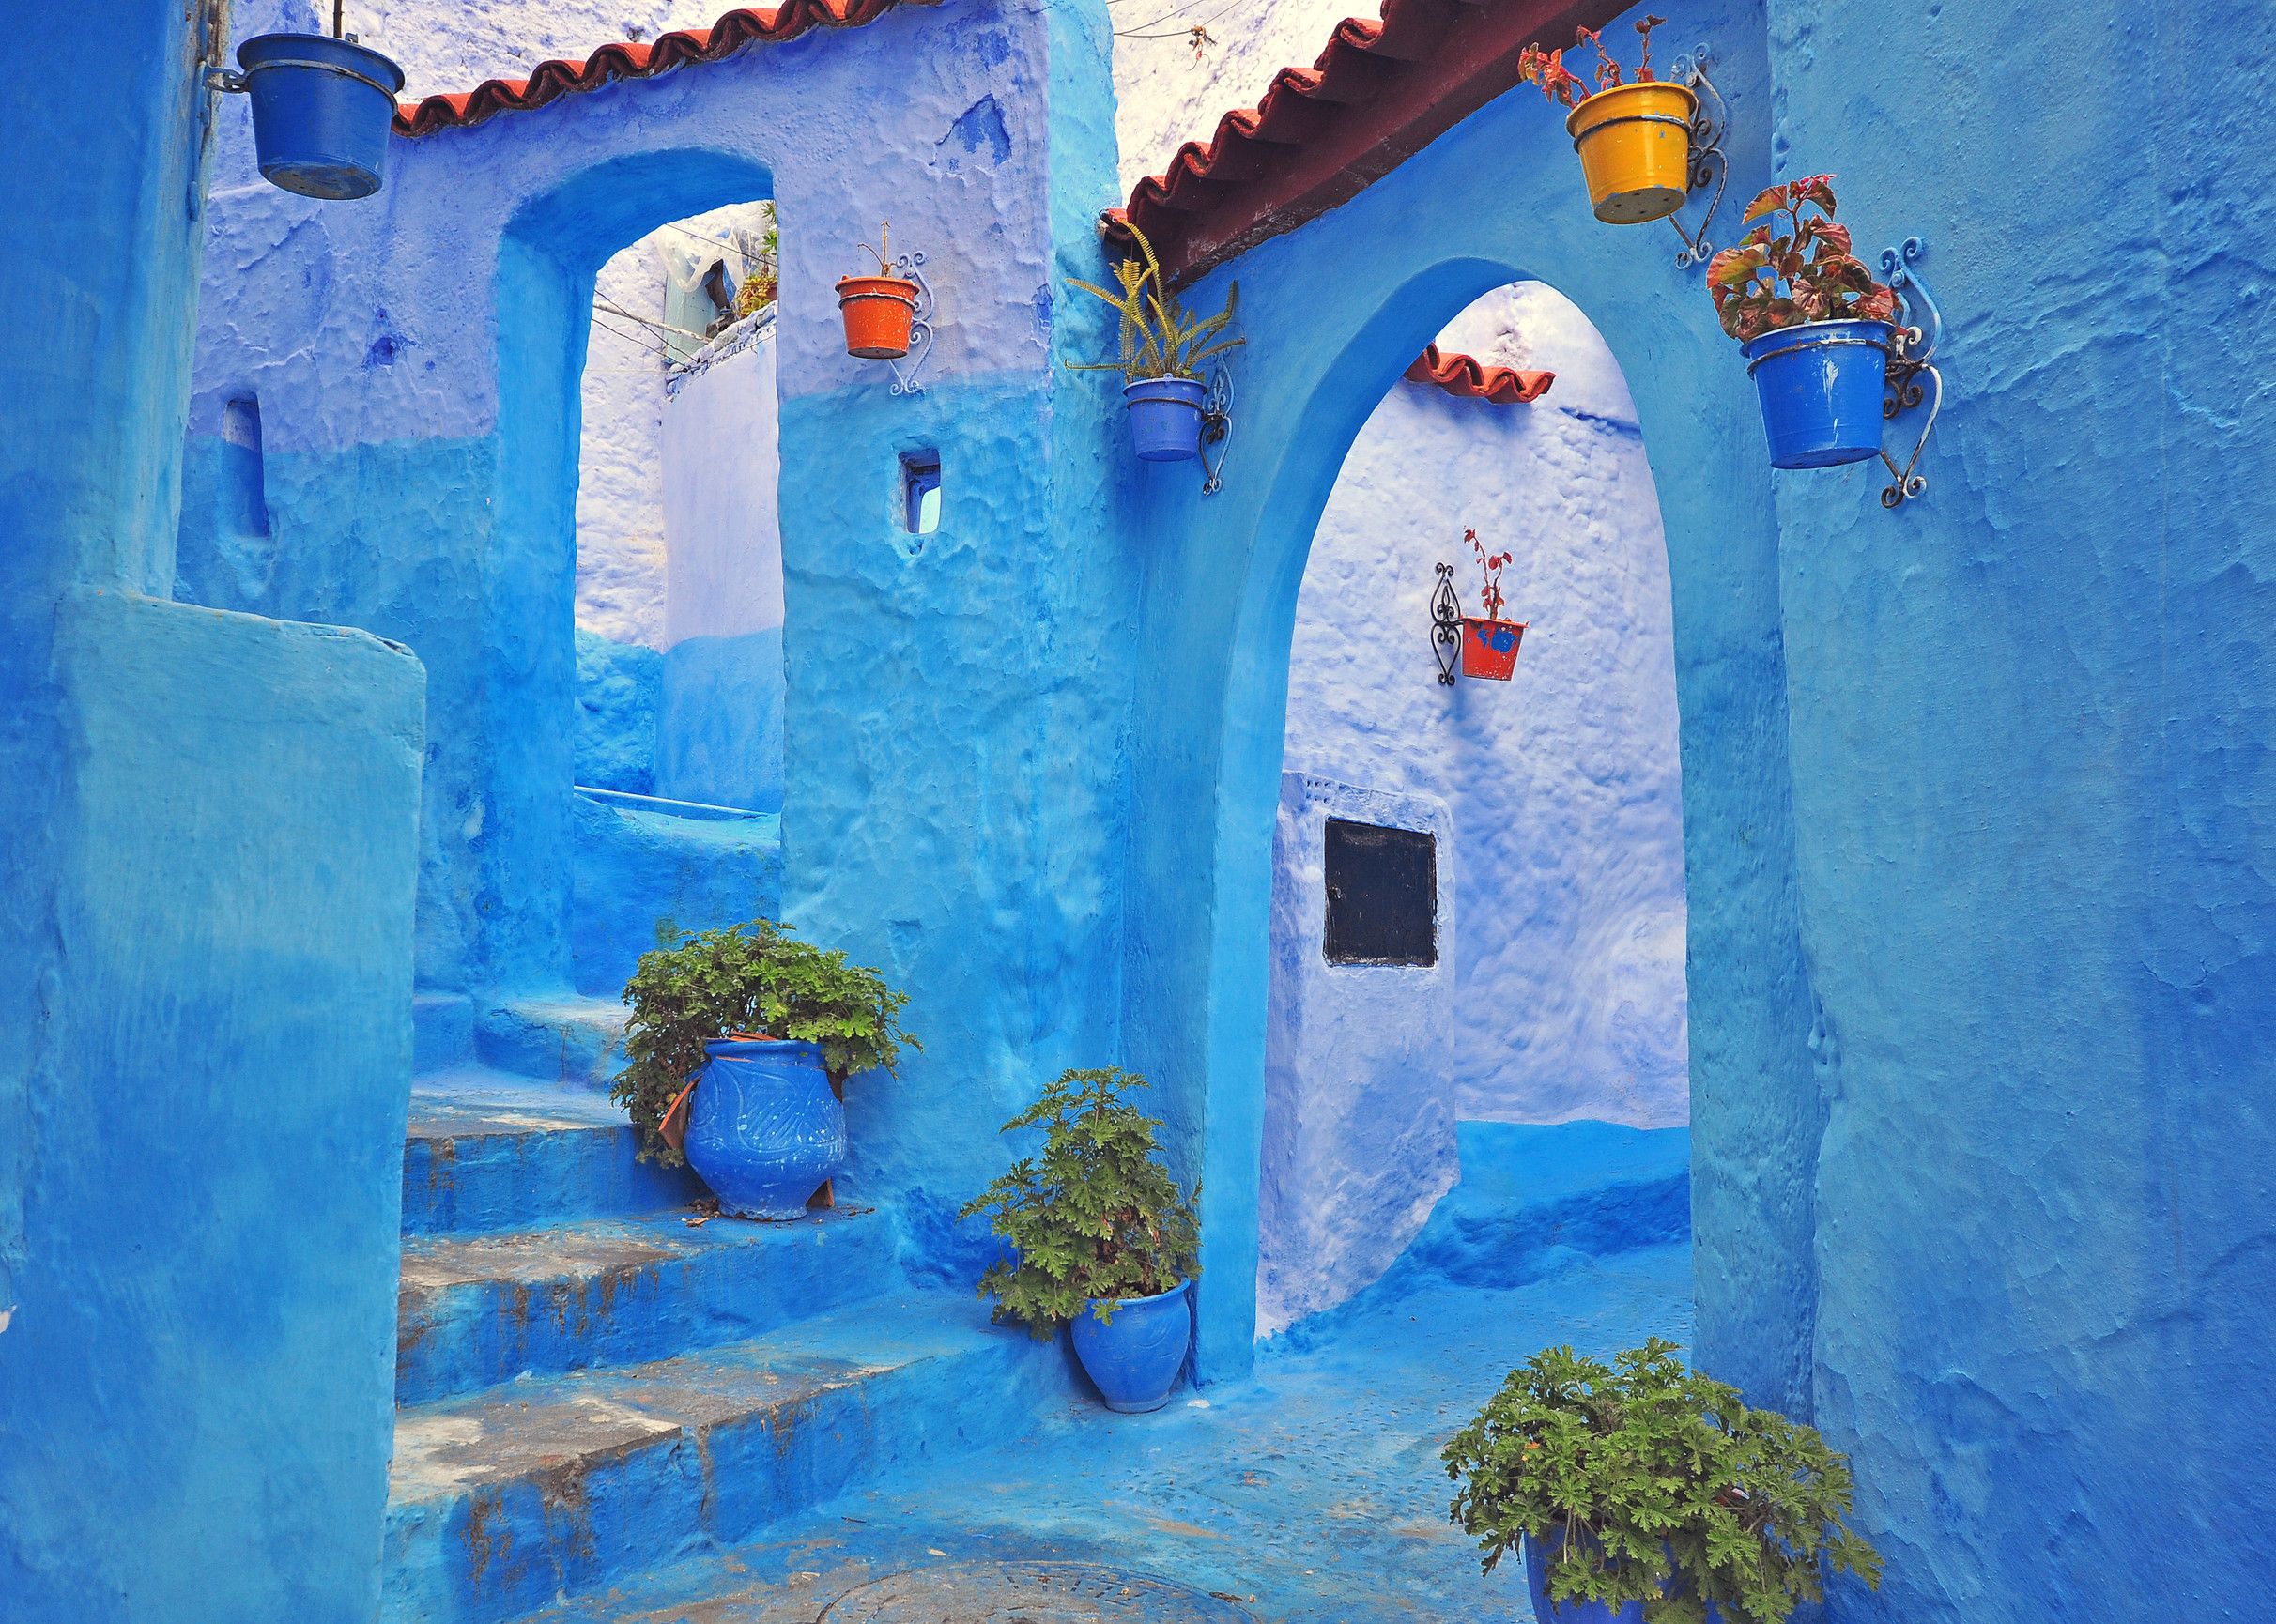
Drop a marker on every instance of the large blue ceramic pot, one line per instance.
(1136, 1356)
(320, 113)
(1539, 1554)
(1821, 388)
(1165, 417)
(763, 1129)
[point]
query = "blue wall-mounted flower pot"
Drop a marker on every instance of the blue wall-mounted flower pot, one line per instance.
(1165, 417)
(1820, 385)
(320, 113)
(763, 1129)
(1136, 1356)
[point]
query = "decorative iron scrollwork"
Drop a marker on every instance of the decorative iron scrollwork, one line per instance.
(1912, 355)
(1446, 625)
(1216, 427)
(1706, 161)
(911, 268)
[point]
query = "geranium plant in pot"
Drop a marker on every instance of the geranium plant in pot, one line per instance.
(1489, 643)
(1162, 349)
(1647, 1494)
(878, 310)
(1634, 139)
(738, 1049)
(1102, 1239)
(1817, 329)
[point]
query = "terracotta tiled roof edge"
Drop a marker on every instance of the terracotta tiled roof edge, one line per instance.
(1378, 94)
(1472, 379)
(550, 81)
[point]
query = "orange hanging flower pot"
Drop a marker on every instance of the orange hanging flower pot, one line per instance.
(1490, 647)
(878, 311)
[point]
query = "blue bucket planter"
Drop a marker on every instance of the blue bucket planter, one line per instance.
(1538, 1556)
(1136, 1356)
(1165, 417)
(763, 1129)
(1821, 388)
(320, 113)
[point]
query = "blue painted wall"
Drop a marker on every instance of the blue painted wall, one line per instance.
(2033, 784)
(206, 832)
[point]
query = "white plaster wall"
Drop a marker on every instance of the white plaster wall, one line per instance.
(1562, 782)
(721, 464)
(1165, 96)
(621, 570)
(1359, 1134)
(454, 45)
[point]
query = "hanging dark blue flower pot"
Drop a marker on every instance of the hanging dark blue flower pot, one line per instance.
(1821, 388)
(1136, 1356)
(1165, 417)
(763, 1129)
(320, 113)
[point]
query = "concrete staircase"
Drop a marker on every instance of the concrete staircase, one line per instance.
(586, 1385)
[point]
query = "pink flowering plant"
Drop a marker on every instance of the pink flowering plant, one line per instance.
(1547, 69)
(1489, 566)
(1808, 274)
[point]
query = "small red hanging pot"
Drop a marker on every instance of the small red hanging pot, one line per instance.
(1490, 647)
(878, 311)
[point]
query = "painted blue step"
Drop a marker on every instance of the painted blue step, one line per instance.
(476, 1310)
(502, 1501)
(487, 1152)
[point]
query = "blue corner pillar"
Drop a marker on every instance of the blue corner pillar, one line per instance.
(208, 850)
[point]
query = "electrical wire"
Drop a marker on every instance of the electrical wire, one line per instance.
(1186, 33)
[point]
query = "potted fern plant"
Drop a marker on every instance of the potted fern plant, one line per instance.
(739, 1048)
(1817, 329)
(1102, 1239)
(1162, 349)
(1644, 1493)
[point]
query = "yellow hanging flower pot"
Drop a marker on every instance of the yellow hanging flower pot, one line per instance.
(1635, 147)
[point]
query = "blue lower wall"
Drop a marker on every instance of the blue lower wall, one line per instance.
(619, 688)
(636, 868)
(197, 1379)
(719, 728)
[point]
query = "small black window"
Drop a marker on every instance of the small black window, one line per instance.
(1382, 894)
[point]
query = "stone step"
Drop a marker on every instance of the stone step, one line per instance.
(487, 1150)
(476, 1310)
(507, 1500)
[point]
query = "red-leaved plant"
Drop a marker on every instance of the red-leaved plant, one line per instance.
(1489, 566)
(1547, 69)
(1821, 279)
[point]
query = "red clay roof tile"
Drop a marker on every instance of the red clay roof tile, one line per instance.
(1465, 376)
(1378, 94)
(551, 81)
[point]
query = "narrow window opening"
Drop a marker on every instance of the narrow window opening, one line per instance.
(921, 492)
(1382, 894)
(245, 487)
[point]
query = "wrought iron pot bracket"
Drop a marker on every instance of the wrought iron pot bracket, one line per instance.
(1706, 155)
(911, 268)
(1216, 427)
(1912, 354)
(1446, 625)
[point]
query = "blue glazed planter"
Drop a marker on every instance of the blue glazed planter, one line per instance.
(1165, 417)
(1136, 1356)
(320, 113)
(1820, 386)
(763, 1129)
(1537, 1559)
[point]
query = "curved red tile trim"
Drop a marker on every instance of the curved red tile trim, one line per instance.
(1378, 94)
(1472, 379)
(553, 80)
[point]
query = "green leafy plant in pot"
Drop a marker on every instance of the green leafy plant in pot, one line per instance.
(1102, 1238)
(1653, 1492)
(739, 1046)
(1162, 349)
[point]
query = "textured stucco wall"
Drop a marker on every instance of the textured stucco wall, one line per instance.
(1564, 782)
(207, 840)
(1359, 1130)
(622, 575)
